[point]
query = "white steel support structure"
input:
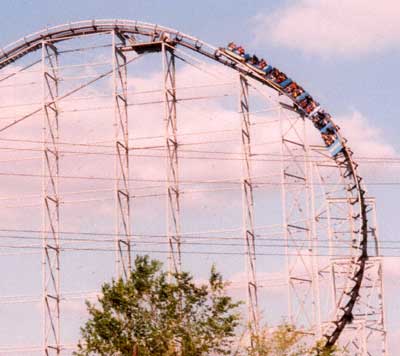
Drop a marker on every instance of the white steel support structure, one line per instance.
(367, 335)
(299, 228)
(356, 305)
(248, 209)
(122, 191)
(50, 202)
(172, 174)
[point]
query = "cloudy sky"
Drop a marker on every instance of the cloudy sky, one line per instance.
(345, 52)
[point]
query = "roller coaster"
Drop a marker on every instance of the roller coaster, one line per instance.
(143, 38)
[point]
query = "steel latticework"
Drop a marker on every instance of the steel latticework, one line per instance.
(122, 191)
(165, 181)
(51, 202)
(248, 209)
(302, 271)
(171, 142)
(367, 334)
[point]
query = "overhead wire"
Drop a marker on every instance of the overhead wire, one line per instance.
(225, 242)
(184, 252)
(371, 159)
(65, 95)
(277, 157)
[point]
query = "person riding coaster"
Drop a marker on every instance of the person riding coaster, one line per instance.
(254, 60)
(297, 92)
(262, 64)
(232, 46)
(281, 78)
(292, 86)
(305, 102)
(311, 107)
(320, 120)
(239, 50)
(328, 138)
(273, 74)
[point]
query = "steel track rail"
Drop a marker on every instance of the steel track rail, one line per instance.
(30, 43)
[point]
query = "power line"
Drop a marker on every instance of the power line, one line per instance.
(206, 253)
(277, 157)
(225, 181)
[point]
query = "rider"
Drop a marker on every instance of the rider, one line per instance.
(281, 77)
(254, 60)
(232, 46)
(292, 86)
(262, 64)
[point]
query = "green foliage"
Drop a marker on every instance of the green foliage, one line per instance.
(285, 340)
(152, 314)
(282, 341)
(320, 350)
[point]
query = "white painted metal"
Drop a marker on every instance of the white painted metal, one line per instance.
(121, 136)
(172, 167)
(297, 208)
(248, 210)
(50, 203)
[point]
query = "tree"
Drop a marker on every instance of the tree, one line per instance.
(283, 340)
(286, 340)
(152, 313)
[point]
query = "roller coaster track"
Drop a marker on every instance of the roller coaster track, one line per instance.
(343, 159)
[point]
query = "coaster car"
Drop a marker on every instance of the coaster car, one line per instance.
(285, 83)
(303, 99)
(302, 96)
(335, 148)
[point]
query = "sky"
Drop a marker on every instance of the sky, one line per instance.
(351, 63)
(344, 52)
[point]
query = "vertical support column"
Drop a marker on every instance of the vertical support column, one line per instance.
(172, 184)
(297, 211)
(50, 203)
(121, 136)
(285, 221)
(377, 296)
(248, 210)
(315, 268)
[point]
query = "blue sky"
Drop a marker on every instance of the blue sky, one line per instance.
(344, 52)
(363, 81)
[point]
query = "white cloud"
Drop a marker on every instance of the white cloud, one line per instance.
(332, 28)
(365, 139)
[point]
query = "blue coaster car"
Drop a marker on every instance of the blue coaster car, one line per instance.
(285, 83)
(326, 127)
(247, 57)
(302, 96)
(268, 69)
(335, 147)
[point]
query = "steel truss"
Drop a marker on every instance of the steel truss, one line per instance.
(299, 226)
(248, 209)
(333, 211)
(121, 134)
(50, 203)
(367, 335)
(172, 174)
